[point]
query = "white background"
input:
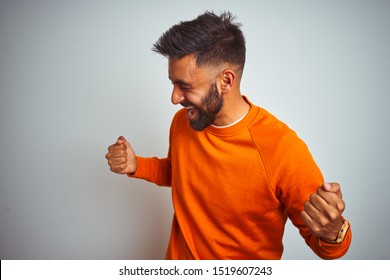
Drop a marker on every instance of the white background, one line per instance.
(74, 75)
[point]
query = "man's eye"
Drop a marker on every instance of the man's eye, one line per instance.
(184, 87)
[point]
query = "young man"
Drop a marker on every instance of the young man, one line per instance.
(237, 172)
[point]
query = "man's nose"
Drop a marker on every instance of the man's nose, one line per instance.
(177, 96)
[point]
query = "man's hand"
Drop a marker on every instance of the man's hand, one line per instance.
(322, 213)
(121, 157)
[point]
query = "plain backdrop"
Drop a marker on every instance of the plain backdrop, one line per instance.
(74, 75)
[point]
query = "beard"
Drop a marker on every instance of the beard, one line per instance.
(207, 112)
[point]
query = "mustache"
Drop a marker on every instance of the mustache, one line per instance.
(186, 103)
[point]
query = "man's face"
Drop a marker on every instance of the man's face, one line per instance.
(196, 90)
(202, 115)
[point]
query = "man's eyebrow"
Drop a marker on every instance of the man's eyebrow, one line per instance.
(180, 82)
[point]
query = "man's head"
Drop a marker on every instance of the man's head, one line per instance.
(206, 60)
(213, 40)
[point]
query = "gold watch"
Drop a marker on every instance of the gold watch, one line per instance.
(342, 233)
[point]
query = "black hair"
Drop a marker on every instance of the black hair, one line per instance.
(211, 38)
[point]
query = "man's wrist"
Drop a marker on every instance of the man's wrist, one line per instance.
(341, 234)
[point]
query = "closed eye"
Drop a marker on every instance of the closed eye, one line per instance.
(182, 85)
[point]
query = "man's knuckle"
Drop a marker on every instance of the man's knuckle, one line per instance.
(341, 206)
(324, 222)
(334, 214)
(316, 229)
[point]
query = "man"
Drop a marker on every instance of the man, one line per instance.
(237, 173)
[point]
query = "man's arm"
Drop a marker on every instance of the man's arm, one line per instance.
(122, 160)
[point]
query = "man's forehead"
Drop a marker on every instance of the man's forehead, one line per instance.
(184, 68)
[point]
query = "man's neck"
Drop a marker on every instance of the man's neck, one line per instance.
(233, 109)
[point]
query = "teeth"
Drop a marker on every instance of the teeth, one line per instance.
(190, 111)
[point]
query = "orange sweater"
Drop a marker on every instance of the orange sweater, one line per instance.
(233, 188)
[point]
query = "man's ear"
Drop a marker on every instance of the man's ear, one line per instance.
(228, 79)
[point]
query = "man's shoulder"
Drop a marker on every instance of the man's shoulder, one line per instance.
(267, 126)
(274, 138)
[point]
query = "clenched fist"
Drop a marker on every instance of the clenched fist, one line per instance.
(121, 157)
(322, 213)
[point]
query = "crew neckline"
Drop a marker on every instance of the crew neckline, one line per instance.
(231, 124)
(238, 125)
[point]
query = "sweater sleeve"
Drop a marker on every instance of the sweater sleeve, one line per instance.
(298, 178)
(329, 251)
(294, 176)
(154, 170)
